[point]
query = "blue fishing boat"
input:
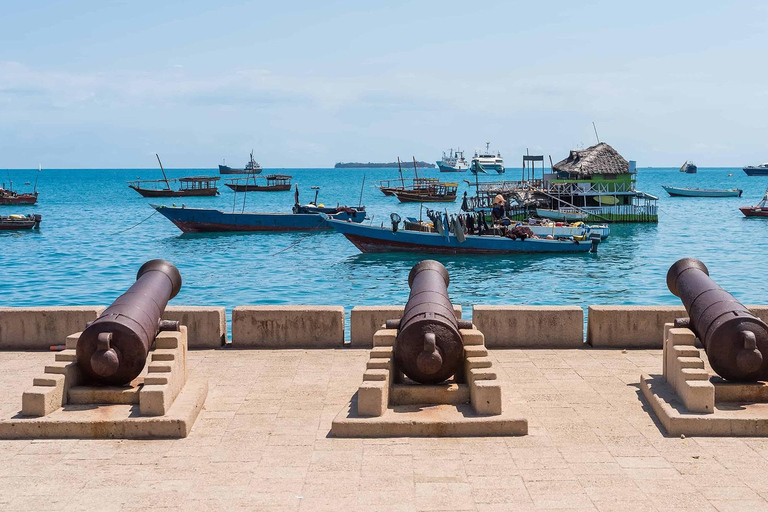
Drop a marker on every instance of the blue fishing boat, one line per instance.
(307, 217)
(375, 239)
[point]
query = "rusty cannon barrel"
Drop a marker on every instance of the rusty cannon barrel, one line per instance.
(736, 341)
(113, 349)
(429, 348)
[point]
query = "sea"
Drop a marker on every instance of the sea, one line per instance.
(96, 233)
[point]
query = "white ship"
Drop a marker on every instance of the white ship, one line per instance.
(486, 161)
(453, 161)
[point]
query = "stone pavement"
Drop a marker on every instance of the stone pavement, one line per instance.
(261, 443)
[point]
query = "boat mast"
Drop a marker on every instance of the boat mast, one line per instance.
(167, 184)
(39, 170)
(360, 201)
(399, 168)
(414, 167)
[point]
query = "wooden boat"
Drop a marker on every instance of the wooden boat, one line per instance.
(188, 187)
(759, 210)
(10, 197)
(689, 167)
(19, 222)
(307, 217)
(702, 192)
(201, 220)
(561, 215)
(430, 192)
(375, 239)
(274, 183)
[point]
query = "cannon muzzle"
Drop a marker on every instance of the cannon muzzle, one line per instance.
(736, 341)
(429, 348)
(113, 349)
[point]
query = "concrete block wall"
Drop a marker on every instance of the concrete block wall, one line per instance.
(206, 325)
(288, 327)
(366, 320)
(530, 326)
(629, 326)
(37, 328)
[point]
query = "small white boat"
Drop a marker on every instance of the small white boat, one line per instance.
(561, 215)
(702, 192)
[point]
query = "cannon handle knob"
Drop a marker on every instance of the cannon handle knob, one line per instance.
(749, 359)
(429, 360)
(105, 361)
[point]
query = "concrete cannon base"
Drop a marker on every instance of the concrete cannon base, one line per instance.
(689, 399)
(389, 405)
(160, 403)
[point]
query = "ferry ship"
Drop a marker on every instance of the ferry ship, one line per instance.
(487, 161)
(252, 167)
(453, 161)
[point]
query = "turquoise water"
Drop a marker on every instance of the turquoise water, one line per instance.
(90, 246)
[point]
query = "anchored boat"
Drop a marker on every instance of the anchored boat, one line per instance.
(759, 210)
(273, 183)
(303, 218)
(756, 170)
(188, 187)
(689, 167)
(20, 222)
(449, 240)
(252, 167)
(8, 196)
(702, 192)
(486, 160)
(453, 161)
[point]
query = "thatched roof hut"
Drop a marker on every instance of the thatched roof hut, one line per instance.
(598, 159)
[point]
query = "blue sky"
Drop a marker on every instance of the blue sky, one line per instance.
(109, 83)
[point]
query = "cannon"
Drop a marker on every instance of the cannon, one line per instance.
(429, 348)
(113, 349)
(736, 342)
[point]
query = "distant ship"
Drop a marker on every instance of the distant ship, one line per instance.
(757, 170)
(689, 167)
(252, 167)
(453, 161)
(487, 161)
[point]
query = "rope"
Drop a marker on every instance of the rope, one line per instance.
(297, 242)
(142, 222)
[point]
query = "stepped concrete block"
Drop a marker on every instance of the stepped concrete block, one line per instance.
(530, 326)
(71, 340)
(40, 401)
(694, 374)
(372, 398)
(697, 396)
(472, 337)
(426, 394)
(376, 375)
(486, 397)
(475, 351)
(690, 362)
(382, 352)
(385, 338)
(288, 327)
(49, 379)
(379, 364)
